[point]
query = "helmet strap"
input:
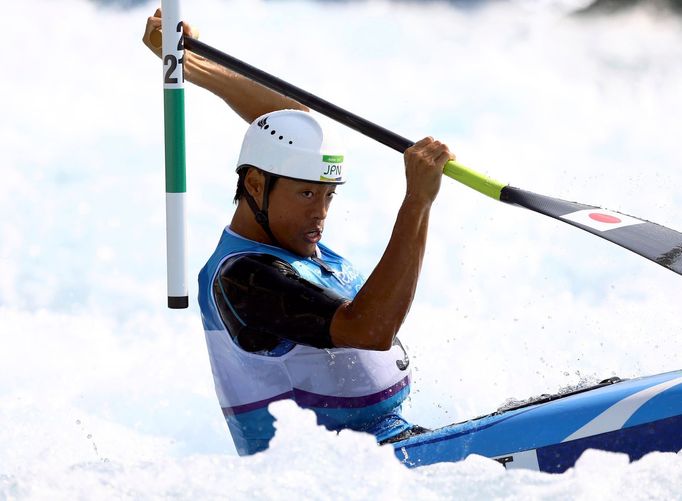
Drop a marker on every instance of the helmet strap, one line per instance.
(261, 214)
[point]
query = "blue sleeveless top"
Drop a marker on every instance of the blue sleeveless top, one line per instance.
(345, 387)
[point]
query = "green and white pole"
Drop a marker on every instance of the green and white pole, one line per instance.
(174, 136)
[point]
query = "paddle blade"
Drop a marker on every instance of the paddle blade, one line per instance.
(650, 240)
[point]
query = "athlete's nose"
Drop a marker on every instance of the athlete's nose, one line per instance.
(319, 208)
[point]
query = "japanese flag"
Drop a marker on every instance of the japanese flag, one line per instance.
(601, 219)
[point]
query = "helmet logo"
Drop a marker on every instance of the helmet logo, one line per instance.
(263, 122)
(332, 168)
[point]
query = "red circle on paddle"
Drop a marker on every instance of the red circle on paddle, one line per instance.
(604, 218)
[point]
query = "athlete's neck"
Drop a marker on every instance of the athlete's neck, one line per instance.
(244, 224)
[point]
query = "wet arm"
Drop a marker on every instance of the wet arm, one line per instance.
(373, 318)
(246, 97)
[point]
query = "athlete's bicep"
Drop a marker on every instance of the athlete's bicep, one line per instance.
(262, 300)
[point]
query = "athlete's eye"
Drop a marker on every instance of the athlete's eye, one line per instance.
(307, 194)
(331, 194)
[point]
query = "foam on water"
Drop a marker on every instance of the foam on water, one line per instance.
(104, 392)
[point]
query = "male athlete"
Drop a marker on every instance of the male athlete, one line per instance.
(286, 317)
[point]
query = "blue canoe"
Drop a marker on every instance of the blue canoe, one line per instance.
(634, 416)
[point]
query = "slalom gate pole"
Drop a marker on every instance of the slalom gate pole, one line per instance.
(174, 139)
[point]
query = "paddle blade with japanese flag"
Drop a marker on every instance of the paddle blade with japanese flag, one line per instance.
(653, 241)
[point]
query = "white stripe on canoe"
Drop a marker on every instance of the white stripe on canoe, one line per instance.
(615, 416)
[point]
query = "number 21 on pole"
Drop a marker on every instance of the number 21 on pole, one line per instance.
(174, 138)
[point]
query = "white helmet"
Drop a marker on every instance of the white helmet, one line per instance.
(291, 143)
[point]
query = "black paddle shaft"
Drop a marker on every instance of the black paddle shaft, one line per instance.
(372, 130)
(657, 243)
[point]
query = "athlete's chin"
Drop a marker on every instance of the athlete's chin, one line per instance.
(302, 248)
(308, 250)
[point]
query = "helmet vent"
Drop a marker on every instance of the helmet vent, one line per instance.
(263, 124)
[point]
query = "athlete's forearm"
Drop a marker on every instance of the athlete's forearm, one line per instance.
(373, 318)
(246, 97)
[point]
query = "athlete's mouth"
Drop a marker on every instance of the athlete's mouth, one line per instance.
(313, 236)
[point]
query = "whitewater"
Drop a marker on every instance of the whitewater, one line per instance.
(104, 393)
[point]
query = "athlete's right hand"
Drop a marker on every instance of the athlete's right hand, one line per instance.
(152, 32)
(424, 163)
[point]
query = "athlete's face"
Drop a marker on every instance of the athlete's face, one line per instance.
(297, 212)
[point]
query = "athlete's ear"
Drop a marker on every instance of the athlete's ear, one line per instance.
(254, 183)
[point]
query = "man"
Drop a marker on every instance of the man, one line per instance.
(285, 316)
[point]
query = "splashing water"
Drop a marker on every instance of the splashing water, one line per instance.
(106, 394)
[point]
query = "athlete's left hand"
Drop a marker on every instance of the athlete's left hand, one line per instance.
(424, 163)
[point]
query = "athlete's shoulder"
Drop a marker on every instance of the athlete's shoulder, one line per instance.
(248, 265)
(232, 242)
